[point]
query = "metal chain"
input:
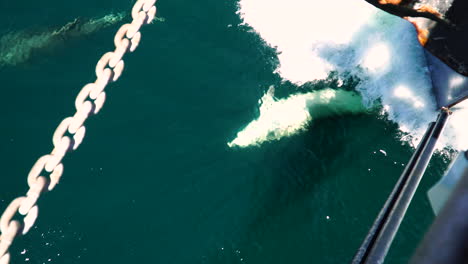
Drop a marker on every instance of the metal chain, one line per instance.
(88, 102)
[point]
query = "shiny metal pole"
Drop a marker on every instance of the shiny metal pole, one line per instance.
(380, 237)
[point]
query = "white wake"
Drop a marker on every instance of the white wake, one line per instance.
(353, 38)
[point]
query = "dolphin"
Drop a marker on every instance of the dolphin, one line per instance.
(291, 115)
(18, 47)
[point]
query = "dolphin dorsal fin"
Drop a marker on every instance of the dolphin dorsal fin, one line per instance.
(271, 91)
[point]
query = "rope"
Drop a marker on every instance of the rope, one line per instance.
(71, 131)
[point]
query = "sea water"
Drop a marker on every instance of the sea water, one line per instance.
(243, 131)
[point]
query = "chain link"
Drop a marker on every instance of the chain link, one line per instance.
(70, 132)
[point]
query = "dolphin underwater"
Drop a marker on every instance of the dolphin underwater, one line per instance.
(291, 115)
(18, 47)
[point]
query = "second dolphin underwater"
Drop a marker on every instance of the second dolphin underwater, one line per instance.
(288, 116)
(18, 47)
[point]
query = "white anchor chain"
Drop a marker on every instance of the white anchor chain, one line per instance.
(70, 132)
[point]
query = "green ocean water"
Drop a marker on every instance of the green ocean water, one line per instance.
(154, 180)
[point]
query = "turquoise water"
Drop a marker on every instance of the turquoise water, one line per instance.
(154, 180)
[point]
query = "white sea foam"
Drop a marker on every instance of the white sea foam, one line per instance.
(353, 38)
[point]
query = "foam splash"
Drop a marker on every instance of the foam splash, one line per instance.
(298, 27)
(18, 47)
(286, 117)
(355, 39)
